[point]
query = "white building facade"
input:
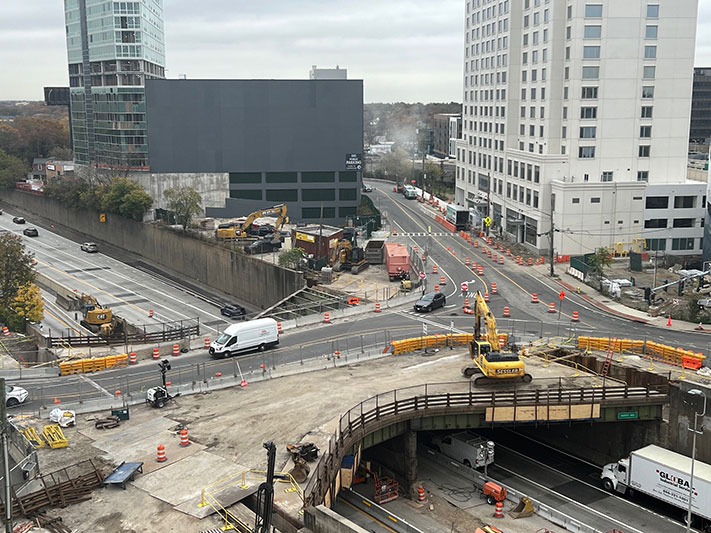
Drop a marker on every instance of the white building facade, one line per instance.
(571, 108)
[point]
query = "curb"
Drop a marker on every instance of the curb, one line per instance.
(603, 307)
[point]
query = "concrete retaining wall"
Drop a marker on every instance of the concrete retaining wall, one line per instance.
(247, 278)
(321, 519)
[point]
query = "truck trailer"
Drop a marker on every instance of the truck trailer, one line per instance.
(459, 216)
(397, 261)
(664, 475)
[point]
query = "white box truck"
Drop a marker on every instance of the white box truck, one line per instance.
(261, 334)
(466, 447)
(664, 475)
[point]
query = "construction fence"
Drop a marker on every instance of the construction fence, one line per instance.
(655, 350)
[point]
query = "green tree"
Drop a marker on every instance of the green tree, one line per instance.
(127, 198)
(12, 169)
(185, 203)
(291, 258)
(27, 305)
(599, 260)
(15, 272)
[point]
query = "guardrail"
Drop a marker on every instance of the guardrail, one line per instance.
(171, 332)
(448, 398)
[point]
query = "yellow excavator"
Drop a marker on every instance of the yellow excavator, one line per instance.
(240, 231)
(99, 319)
(491, 363)
(347, 255)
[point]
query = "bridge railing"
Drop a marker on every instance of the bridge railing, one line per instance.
(374, 412)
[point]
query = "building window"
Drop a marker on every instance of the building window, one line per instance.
(648, 91)
(652, 11)
(594, 32)
(656, 245)
(347, 176)
(650, 52)
(282, 195)
(683, 223)
(344, 212)
(646, 111)
(591, 52)
(564, 133)
(649, 72)
(651, 32)
(593, 11)
(237, 178)
(644, 150)
(347, 194)
(657, 202)
(535, 199)
(315, 212)
(683, 244)
(591, 73)
(246, 194)
(589, 93)
(655, 223)
(642, 175)
(318, 195)
(606, 176)
(587, 132)
(645, 131)
(586, 152)
(684, 202)
(565, 113)
(281, 177)
(588, 112)
(595, 200)
(318, 177)
(576, 200)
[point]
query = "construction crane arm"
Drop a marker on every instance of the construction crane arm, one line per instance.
(483, 311)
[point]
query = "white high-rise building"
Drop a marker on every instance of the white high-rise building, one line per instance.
(571, 108)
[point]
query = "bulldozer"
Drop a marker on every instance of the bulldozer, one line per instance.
(242, 230)
(98, 319)
(490, 363)
(347, 254)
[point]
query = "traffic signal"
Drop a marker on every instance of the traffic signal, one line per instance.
(681, 288)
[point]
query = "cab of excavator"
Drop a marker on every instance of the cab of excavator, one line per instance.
(480, 348)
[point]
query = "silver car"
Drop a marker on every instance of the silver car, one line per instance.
(14, 396)
(89, 247)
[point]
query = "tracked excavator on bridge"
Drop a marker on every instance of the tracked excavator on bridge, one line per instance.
(99, 319)
(490, 363)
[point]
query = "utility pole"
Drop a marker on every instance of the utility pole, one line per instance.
(550, 236)
(6, 459)
(488, 203)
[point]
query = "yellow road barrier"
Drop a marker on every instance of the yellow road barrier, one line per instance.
(653, 350)
(81, 366)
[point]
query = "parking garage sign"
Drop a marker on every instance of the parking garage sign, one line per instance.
(354, 161)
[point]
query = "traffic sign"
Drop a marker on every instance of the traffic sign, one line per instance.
(354, 161)
(628, 415)
(561, 295)
(487, 221)
(465, 286)
(422, 275)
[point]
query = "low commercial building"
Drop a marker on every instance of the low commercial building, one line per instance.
(447, 129)
(251, 144)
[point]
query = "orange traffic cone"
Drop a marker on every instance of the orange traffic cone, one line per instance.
(699, 328)
(668, 320)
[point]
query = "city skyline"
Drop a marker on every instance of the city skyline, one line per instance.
(411, 59)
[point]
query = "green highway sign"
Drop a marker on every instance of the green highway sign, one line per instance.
(628, 415)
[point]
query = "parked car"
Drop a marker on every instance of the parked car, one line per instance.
(233, 310)
(15, 395)
(89, 247)
(262, 246)
(31, 232)
(18, 220)
(367, 188)
(430, 302)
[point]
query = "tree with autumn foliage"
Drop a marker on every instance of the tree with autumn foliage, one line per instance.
(15, 272)
(27, 305)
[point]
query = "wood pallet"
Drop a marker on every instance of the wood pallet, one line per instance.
(59, 489)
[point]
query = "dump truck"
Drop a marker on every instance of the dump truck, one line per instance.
(664, 475)
(375, 252)
(397, 261)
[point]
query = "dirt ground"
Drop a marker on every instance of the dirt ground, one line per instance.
(232, 424)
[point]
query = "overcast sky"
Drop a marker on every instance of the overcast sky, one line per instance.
(404, 50)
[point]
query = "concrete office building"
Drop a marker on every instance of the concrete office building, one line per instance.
(574, 106)
(249, 144)
(447, 130)
(112, 48)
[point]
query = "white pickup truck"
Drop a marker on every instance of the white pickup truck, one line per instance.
(466, 447)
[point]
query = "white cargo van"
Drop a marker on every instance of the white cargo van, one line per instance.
(466, 447)
(262, 333)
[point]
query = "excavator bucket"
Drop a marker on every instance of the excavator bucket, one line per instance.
(523, 509)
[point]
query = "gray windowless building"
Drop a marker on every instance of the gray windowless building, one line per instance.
(298, 142)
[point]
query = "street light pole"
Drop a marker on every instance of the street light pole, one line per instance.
(695, 431)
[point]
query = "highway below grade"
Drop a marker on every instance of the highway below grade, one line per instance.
(415, 225)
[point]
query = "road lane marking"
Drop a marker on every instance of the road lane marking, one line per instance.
(95, 385)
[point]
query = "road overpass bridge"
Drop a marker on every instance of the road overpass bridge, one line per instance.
(460, 405)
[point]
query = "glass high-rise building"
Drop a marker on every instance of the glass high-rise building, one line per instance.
(112, 48)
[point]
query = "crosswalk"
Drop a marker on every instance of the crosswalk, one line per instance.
(425, 234)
